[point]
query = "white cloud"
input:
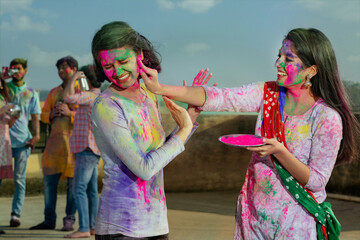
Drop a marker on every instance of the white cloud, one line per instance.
(193, 48)
(341, 10)
(354, 58)
(194, 6)
(12, 6)
(21, 6)
(166, 4)
(20, 15)
(198, 6)
(39, 57)
(24, 23)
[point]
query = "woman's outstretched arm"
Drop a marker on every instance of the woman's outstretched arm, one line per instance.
(191, 95)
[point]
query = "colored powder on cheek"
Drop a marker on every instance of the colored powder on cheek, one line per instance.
(242, 140)
(298, 79)
(290, 69)
(138, 67)
(282, 65)
(293, 72)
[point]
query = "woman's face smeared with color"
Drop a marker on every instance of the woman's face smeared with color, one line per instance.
(290, 67)
(120, 66)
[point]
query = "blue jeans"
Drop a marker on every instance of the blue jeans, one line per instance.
(50, 196)
(86, 188)
(21, 156)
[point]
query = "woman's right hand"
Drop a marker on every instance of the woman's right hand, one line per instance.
(181, 117)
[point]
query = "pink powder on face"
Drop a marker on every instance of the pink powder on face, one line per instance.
(138, 67)
(242, 140)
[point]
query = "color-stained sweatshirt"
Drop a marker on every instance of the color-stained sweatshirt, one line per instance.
(134, 149)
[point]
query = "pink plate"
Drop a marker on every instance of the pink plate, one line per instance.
(242, 140)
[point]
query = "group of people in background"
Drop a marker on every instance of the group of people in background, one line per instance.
(70, 152)
(304, 118)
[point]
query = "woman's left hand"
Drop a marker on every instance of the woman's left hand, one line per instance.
(272, 146)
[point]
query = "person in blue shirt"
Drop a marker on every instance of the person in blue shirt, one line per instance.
(22, 141)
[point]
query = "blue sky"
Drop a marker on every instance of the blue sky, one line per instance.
(237, 39)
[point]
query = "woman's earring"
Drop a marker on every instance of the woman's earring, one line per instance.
(307, 82)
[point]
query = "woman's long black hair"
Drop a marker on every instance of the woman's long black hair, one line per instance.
(314, 48)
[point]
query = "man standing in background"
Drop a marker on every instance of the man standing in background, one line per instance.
(22, 142)
(57, 161)
(83, 146)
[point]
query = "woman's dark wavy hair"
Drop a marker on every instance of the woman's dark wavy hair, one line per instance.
(89, 71)
(118, 34)
(314, 48)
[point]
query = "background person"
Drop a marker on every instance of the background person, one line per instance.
(22, 142)
(57, 160)
(87, 154)
(6, 170)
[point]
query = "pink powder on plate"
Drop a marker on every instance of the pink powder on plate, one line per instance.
(242, 140)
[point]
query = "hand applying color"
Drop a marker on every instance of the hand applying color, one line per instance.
(150, 78)
(198, 81)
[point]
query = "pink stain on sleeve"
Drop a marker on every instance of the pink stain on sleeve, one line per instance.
(142, 190)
